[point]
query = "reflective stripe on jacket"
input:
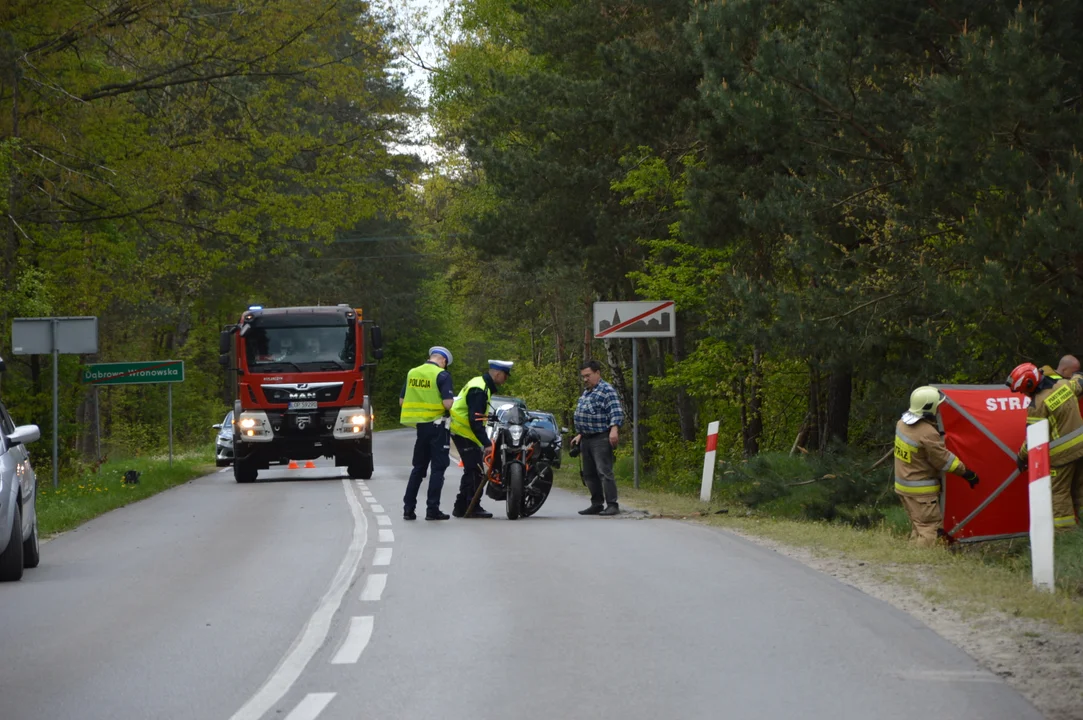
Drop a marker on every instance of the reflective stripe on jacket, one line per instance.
(422, 402)
(1060, 406)
(460, 420)
(921, 458)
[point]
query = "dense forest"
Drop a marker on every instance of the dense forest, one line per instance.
(846, 199)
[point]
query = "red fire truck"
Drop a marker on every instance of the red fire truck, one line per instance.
(300, 380)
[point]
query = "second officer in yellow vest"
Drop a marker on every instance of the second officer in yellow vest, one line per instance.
(426, 403)
(468, 431)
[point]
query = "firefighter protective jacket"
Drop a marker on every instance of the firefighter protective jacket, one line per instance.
(1059, 405)
(921, 458)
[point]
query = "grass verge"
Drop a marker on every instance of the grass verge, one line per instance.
(977, 577)
(90, 494)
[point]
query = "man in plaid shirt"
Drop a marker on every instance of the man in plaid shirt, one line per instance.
(598, 415)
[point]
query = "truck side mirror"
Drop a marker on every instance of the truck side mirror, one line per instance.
(224, 342)
(377, 342)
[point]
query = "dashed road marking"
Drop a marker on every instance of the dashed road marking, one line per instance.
(377, 508)
(356, 640)
(383, 520)
(374, 587)
(310, 708)
(382, 557)
(387, 535)
(315, 630)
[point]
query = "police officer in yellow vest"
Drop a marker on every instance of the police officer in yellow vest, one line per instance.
(426, 401)
(468, 431)
(920, 460)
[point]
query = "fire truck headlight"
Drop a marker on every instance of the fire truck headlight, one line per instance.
(255, 426)
(351, 422)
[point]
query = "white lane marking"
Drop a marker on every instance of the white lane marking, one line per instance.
(314, 633)
(310, 707)
(383, 520)
(387, 535)
(226, 469)
(378, 508)
(356, 641)
(382, 556)
(368, 497)
(374, 587)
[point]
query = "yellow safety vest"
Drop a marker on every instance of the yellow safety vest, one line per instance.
(422, 402)
(460, 420)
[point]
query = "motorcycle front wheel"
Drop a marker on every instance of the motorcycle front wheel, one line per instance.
(514, 481)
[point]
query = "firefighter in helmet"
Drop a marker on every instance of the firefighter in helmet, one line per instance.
(1056, 400)
(920, 461)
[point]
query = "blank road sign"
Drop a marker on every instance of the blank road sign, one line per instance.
(635, 319)
(74, 335)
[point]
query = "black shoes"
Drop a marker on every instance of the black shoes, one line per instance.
(592, 510)
(436, 515)
(611, 510)
(479, 512)
(409, 515)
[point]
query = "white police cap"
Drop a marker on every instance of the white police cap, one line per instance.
(504, 365)
(441, 350)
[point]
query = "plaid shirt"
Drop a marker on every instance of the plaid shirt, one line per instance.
(598, 409)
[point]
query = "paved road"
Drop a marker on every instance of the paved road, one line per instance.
(307, 596)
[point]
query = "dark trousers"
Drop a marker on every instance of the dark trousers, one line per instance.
(430, 448)
(471, 455)
(598, 469)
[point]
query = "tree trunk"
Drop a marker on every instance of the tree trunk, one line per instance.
(616, 371)
(812, 440)
(686, 409)
(839, 393)
(752, 419)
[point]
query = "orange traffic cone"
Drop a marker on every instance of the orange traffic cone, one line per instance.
(310, 465)
(293, 465)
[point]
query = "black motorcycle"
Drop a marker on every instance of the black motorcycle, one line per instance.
(521, 472)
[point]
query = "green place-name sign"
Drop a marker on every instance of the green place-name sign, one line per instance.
(134, 373)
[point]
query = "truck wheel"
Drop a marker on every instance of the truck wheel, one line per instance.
(31, 550)
(11, 560)
(361, 469)
(244, 471)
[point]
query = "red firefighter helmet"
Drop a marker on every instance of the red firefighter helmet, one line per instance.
(1025, 378)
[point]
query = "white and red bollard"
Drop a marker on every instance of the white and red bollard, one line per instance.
(1041, 506)
(708, 462)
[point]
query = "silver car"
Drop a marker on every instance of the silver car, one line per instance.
(223, 444)
(18, 484)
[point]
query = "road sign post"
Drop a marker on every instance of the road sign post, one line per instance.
(634, 320)
(55, 336)
(138, 373)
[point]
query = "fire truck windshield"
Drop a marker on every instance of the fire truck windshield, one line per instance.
(307, 347)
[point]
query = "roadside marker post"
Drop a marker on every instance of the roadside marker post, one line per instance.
(709, 462)
(1041, 506)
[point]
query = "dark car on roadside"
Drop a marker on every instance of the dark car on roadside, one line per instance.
(550, 434)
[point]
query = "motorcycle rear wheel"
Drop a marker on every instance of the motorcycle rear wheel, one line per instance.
(514, 481)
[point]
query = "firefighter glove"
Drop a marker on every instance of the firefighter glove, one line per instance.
(971, 478)
(1021, 464)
